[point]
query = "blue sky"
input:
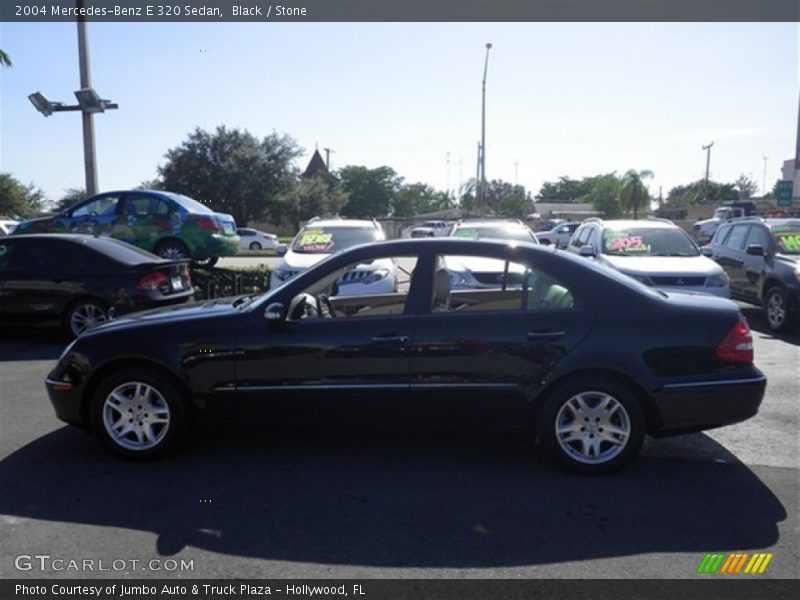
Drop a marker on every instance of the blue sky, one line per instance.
(563, 99)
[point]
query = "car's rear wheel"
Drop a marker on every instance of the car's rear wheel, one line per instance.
(138, 413)
(776, 309)
(172, 249)
(83, 315)
(255, 246)
(593, 425)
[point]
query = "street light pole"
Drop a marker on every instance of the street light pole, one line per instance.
(89, 156)
(708, 158)
(482, 195)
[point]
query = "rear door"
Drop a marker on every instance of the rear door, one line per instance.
(731, 257)
(754, 267)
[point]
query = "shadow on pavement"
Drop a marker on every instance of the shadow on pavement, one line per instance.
(422, 499)
(31, 343)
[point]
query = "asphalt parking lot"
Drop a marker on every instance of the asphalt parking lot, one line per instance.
(288, 503)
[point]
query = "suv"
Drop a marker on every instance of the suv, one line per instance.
(559, 235)
(657, 253)
(320, 238)
(762, 259)
(430, 229)
(170, 225)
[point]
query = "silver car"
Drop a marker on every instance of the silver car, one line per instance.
(657, 253)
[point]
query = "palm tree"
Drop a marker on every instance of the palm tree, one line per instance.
(5, 59)
(633, 194)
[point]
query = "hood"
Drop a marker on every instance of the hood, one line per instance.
(711, 221)
(792, 259)
(664, 265)
(295, 261)
(168, 314)
(33, 223)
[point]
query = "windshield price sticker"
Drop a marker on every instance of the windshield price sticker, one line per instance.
(467, 233)
(790, 241)
(316, 241)
(626, 243)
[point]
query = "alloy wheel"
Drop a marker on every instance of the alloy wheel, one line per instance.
(136, 416)
(85, 316)
(592, 427)
(776, 309)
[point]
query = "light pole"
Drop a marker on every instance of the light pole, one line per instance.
(482, 194)
(708, 158)
(89, 102)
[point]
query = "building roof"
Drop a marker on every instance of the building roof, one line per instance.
(316, 166)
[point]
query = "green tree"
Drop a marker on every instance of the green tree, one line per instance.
(565, 190)
(232, 171)
(633, 194)
(371, 192)
(745, 186)
(419, 198)
(321, 195)
(505, 199)
(71, 197)
(700, 192)
(605, 196)
(18, 200)
(5, 59)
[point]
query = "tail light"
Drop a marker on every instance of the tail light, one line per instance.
(151, 281)
(737, 346)
(208, 223)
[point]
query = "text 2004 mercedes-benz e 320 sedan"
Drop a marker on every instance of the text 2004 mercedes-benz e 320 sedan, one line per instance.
(587, 358)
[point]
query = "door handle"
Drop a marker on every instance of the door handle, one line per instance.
(546, 334)
(390, 339)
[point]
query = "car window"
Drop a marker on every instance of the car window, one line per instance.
(495, 232)
(103, 206)
(376, 288)
(6, 250)
(189, 204)
(737, 237)
(26, 257)
(721, 234)
(787, 237)
(581, 236)
(759, 236)
(327, 240)
(647, 241)
(476, 283)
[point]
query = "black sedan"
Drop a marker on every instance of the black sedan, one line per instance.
(588, 359)
(76, 280)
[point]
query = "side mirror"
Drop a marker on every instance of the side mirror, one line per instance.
(755, 250)
(275, 312)
(281, 249)
(706, 251)
(587, 250)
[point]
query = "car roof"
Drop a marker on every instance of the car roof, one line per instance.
(643, 224)
(491, 223)
(114, 249)
(341, 223)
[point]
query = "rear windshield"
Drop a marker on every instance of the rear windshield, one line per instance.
(327, 240)
(648, 241)
(787, 237)
(120, 251)
(496, 232)
(189, 204)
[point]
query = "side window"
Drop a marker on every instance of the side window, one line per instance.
(377, 288)
(69, 256)
(6, 250)
(758, 237)
(720, 234)
(737, 237)
(103, 206)
(27, 257)
(481, 284)
(579, 239)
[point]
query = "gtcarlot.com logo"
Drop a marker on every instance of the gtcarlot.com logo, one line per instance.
(732, 563)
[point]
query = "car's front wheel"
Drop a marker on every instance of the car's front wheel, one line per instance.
(592, 425)
(138, 413)
(776, 309)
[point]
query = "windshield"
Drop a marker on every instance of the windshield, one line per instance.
(327, 240)
(788, 238)
(496, 232)
(648, 241)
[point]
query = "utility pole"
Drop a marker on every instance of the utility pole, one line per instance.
(516, 172)
(448, 175)
(764, 181)
(482, 166)
(89, 156)
(478, 182)
(708, 158)
(328, 153)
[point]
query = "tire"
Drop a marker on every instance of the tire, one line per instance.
(776, 309)
(255, 246)
(575, 407)
(84, 314)
(205, 263)
(172, 249)
(160, 410)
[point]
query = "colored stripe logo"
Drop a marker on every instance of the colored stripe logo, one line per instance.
(735, 562)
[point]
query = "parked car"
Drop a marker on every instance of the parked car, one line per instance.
(549, 224)
(320, 238)
(170, 225)
(559, 236)
(587, 373)
(472, 272)
(657, 253)
(762, 259)
(703, 231)
(430, 229)
(7, 226)
(76, 280)
(253, 239)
